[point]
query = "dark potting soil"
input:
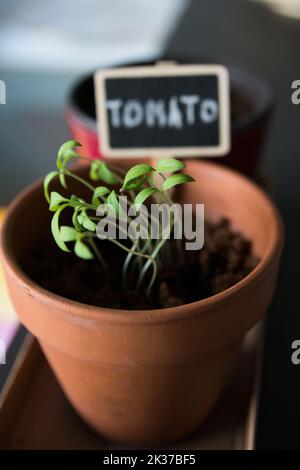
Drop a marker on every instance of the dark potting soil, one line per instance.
(226, 258)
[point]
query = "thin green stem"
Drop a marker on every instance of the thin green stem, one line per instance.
(98, 254)
(80, 180)
(127, 262)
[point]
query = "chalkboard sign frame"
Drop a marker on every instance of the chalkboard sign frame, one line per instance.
(164, 70)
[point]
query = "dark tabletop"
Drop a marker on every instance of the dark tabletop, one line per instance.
(266, 43)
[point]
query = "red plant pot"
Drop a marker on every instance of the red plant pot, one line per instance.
(251, 104)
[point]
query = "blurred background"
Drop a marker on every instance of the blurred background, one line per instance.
(44, 47)
(47, 46)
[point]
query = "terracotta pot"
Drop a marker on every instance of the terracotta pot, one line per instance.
(248, 131)
(148, 377)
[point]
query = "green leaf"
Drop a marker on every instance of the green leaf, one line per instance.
(143, 195)
(56, 200)
(75, 221)
(113, 201)
(138, 185)
(75, 201)
(70, 144)
(66, 153)
(106, 174)
(100, 191)
(62, 179)
(68, 234)
(100, 171)
(56, 230)
(135, 174)
(47, 182)
(174, 180)
(169, 165)
(135, 185)
(82, 250)
(86, 222)
(94, 171)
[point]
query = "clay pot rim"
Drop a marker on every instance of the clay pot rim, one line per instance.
(66, 306)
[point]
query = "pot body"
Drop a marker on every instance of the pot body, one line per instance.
(248, 133)
(148, 377)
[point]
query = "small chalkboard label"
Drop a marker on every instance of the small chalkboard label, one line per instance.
(163, 110)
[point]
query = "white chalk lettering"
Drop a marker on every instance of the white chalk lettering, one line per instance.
(133, 114)
(209, 111)
(175, 112)
(175, 117)
(114, 106)
(190, 102)
(156, 112)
